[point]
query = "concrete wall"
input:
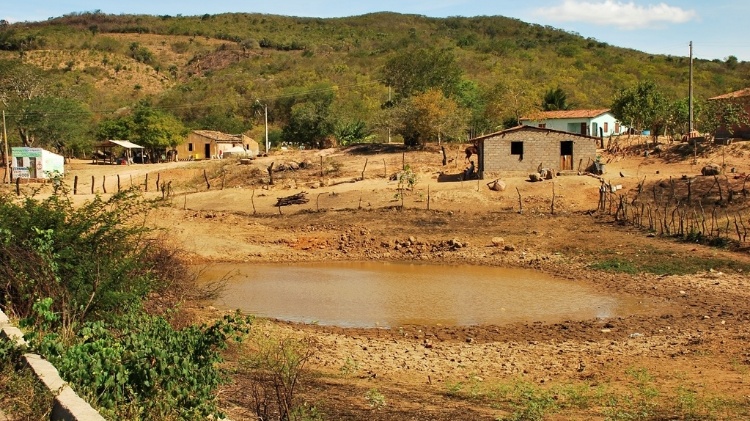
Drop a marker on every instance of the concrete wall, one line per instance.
(67, 405)
(539, 147)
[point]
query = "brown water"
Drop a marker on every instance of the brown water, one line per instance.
(371, 294)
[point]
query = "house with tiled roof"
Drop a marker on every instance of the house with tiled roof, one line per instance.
(741, 97)
(208, 144)
(595, 122)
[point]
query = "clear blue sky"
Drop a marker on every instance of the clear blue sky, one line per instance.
(716, 27)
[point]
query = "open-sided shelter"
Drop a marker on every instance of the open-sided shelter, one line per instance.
(109, 151)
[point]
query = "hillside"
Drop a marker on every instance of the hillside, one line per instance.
(209, 70)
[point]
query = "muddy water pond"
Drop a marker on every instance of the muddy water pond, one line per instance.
(372, 294)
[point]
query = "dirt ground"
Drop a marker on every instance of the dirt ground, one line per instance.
(687, 357)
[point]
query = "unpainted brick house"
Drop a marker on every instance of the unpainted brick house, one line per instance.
(527, 148)
(742, 98)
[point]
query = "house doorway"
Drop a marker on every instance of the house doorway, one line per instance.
(566, 155)
(584, 129)
(207, 150)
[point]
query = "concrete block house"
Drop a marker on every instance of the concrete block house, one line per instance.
(597, 123)
(526, 148)
(208, 144)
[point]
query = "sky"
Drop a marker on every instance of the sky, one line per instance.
(658, 27)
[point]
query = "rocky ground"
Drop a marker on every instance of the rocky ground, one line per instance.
(685, 357)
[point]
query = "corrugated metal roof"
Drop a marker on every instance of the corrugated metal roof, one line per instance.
(125, 144)
(547, 115)
(736, 94)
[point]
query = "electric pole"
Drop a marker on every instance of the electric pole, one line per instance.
(690, 107)
(6, 158)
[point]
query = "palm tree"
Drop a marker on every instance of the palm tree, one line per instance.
(555, 100)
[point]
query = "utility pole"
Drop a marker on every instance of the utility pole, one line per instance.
(690, 107)
(389, 123)
(265, 106)
(6, 158)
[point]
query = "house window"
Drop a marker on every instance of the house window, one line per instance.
(617, 127)
(606, 127)
(516, 148)
(542, 125)
(190, 147)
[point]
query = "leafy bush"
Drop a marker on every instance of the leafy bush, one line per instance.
(140, 367)
(95, 260)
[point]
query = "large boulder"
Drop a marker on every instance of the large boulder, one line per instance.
(497, 185)
(535, 176)
(711, 169)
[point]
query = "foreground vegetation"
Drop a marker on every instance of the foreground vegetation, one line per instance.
(80, 279)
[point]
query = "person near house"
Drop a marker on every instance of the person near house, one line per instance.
(469, 171)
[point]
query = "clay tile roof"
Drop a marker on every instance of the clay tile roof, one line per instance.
(212, 134)
(736, 94)
(546, 115)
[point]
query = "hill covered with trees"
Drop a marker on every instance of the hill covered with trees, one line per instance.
(69, 81)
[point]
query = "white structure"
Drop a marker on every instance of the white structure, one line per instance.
(595, 123)
(36, 163)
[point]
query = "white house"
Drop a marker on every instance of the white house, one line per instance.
(36, 163)
(595, 123)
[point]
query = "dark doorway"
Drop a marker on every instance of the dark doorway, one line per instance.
(584, 129)
(566, 155)
(207, 150)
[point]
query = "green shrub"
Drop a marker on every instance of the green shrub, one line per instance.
(139, 367)
(95, 260)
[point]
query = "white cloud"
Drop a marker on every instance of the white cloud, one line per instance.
(620, 14)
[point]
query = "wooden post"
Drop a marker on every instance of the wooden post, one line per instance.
(321, 166)
(118, 183)
(158, 176)
(403, 161)
(223, 177)
(205, 177)
(520, 203)
(428, 188)
(363, 169)
(18, 186)
(270, 174)
(92, 184)
(75, 185)
(317, 203)
(385, 170)
(104, 184)
(445, 158)
(146, 182)
(252, 200)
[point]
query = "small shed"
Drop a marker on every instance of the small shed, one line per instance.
(526, 148)
(35, 164)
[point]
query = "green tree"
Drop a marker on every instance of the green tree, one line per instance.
(430, 116)
(121, 128)
(641, 107)
(555, 100)
(416, 70)
(508, 102)
(156, 129)
(55, 123)
(310, 121)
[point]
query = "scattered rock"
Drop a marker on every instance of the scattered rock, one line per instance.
(498, 241)
(509, 247)
(711, 169)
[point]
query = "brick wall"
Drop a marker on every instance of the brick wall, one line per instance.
(539, 147)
